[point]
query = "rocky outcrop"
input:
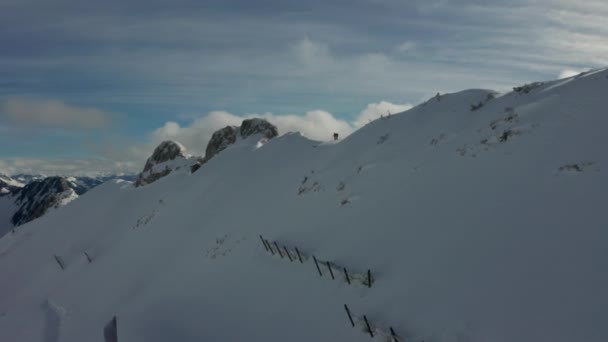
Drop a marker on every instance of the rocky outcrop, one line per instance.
(253, 126)
(37, 197)
(220, 140)
(228, 135)
(167, 157)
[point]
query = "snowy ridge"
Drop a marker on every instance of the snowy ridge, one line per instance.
(478, 224)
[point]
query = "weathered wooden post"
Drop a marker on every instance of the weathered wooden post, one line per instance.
(88, 257)
(59, 261)
(299, 256)
(288, 255)
(350, 317)
(330, 271)
(278, 249)
(110, 331)
(394, 336)
(369, 328)
(264, 243)
(346, 274)
(369, 278)
(269, 247)
(317, 264)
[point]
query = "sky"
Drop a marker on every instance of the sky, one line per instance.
(93, 86)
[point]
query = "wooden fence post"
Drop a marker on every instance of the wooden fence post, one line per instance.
(330, 271)
(299, 256)
(369, 278)
(316, 263)
(278, 249)
(288, 255)
(394, 336)
(349, 315)
(110, 331)
(264, 243)
(59, 261)
(369, 329)
(269, 247)
(346, 274)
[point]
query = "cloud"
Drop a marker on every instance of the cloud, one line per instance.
(569, 73)
(312, 54)
(51, 113)
(66, 166)
(406, 46)
(315, 124)
(375, 110)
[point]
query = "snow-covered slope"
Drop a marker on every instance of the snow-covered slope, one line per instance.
(477, 225)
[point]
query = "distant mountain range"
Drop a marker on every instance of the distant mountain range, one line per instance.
(25, 197)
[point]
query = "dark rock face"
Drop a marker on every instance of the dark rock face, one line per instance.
(8, 186)
(220, 140)
(253, 126)
(166, 151)
(37, 197)
(227, 136)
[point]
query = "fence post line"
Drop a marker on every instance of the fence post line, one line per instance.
(393, 335)
(369, 329)
(269, 247)
(349, 315)
(330, 271)
(299, 257)
(264, 243)
(59, 261)
(278, 249)
(346, 274)
(288, 255)
(316, 263)
(369, 278)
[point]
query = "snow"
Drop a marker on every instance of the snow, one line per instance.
(10, 181)
(484, 225)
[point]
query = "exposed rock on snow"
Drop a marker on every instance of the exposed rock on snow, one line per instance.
(36, 198)
(167, 157)
(253, 126)
(167, 150)
(228, 135)
(220, 140)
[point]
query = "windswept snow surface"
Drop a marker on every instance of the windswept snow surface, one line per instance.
(485, 225)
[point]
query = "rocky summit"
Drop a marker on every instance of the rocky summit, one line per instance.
(158, 165)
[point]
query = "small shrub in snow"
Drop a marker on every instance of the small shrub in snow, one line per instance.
(475, 107)
(526, 88)
(383, 138)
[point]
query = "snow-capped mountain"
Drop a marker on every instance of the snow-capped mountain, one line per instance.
(8, 185)
(21, 203)
(471, 217)
(171, 156)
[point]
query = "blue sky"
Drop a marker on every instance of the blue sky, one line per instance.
(94, 86)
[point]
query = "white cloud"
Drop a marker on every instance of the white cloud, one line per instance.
(65, 166)
(124, 156)
(315, 124)
(375, 110)
(312, 54)
(569, 73)
(406, 46)
(51, 113)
